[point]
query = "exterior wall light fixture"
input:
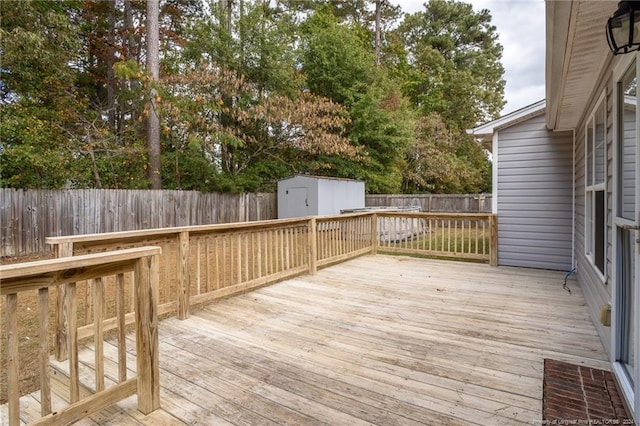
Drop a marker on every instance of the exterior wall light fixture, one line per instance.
(623, 28)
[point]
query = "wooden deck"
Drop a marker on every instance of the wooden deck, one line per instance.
(378, 340)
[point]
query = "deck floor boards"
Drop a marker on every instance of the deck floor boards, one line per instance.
(383, 340)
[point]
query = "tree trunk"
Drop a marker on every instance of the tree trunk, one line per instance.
(153, 68)
(130, 55)
(111, 97)
(229, 16)
(378, 31)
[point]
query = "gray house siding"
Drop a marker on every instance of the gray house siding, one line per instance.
(534, 192)
(596, 292)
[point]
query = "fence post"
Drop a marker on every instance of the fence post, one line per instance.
(62, 301)
(147, 347)
(313, 246)
(374, 234)
(183, 275)
(493, 247)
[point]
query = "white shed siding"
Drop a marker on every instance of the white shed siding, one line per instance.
(301, 195)
(534, 191)
(335, 195)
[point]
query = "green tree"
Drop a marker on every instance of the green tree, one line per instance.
(40, 105)
(335, 59)
(339, 63)
(453, 62)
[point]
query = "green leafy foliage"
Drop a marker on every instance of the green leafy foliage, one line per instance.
(247, 95)
(453, 62)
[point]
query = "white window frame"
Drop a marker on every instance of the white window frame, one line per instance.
(593, 187)
(630, 393)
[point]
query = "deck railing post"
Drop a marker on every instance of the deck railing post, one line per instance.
(183, 275)
(62, 301)
(313, 246)
(493, 247)
(147, 347)
(374, 234)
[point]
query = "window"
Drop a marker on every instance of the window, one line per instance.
(595, 207)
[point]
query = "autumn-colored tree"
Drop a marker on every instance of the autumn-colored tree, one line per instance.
(436, 161)
(234, 139)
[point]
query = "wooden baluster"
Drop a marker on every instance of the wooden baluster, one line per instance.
(239, 258)
(13, 393)
(282, 242)
(485, 249)
(61, 331)
(477, 236)
(455, 236)
(72, 321)
(122, 341)
(216, 248)
(132, 292)
(97, 289)
(45, 378)
(207, 260)
(313, 246)
(198, 254)
(259, 252)
(470, 238)
(183, 276)
(287, 247)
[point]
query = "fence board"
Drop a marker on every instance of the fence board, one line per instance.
(435, 203)
(27, 217)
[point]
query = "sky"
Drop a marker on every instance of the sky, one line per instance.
(520, 24)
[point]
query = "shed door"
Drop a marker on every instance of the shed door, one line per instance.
(297, 202)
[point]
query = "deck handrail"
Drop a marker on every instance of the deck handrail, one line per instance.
(199, 264)
(64, 273)
(214, 261)
(261, 252)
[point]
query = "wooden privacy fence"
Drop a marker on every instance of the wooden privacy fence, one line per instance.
(27, 217)
(433, 203)
(93, 269)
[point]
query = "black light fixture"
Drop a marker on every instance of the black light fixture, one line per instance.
(623, 28)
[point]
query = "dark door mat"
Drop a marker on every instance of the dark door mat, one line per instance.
(574, 394)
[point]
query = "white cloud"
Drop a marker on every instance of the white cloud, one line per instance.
(520, 24)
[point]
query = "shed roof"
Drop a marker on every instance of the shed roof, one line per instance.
(320, 178)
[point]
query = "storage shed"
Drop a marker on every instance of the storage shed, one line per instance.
(532, 189)
(304, 195)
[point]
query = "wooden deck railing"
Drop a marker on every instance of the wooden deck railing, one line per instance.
(202, 263)
(41, 276)
(461, 236)
(199, 264)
